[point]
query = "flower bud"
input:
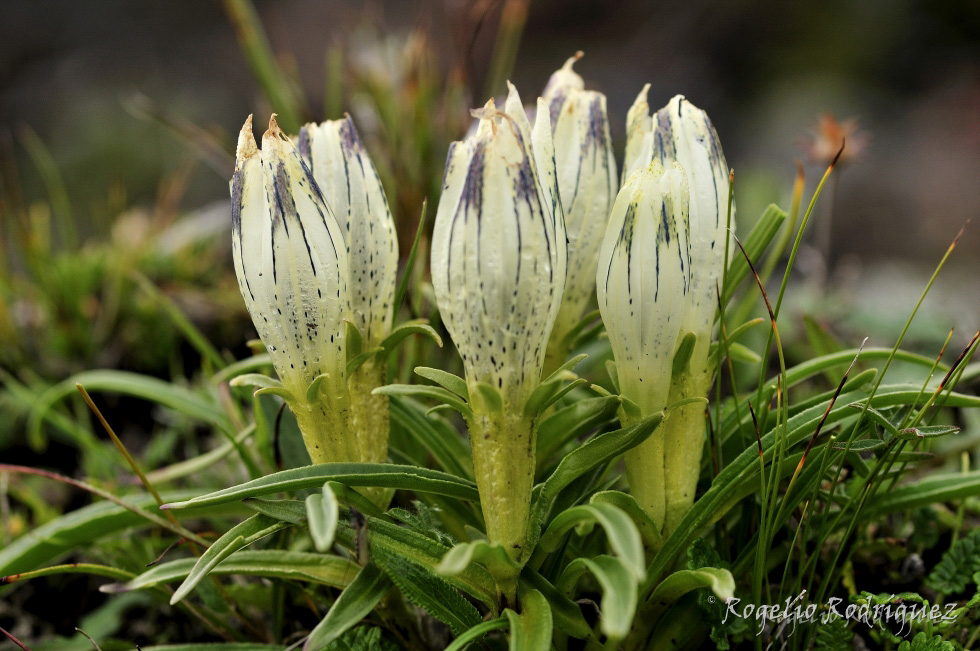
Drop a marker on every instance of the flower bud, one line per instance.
(499, 250)
(344, 172)
(587, 182)
(643, 282)
(291, 265)
(350, 184)
(682, 132)
(498, 270)
(290, 259)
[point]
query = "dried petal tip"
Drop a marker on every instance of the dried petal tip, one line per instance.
(487, 112)
(246, 141)
(572, 59)
(274, 129)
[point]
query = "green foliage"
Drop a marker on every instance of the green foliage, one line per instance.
(958, 565)
(362, 638)
(835, 635)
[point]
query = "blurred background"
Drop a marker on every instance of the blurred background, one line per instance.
(118, 123)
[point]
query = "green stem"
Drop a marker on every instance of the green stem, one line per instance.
(370, 420)
(325, 430)
(503, 462)
(683, 446)
(645, 473)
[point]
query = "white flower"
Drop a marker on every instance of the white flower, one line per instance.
(499, 249)
(290, 261)
(683, 133)
(643, 281)
(351, 187)
(587, 182)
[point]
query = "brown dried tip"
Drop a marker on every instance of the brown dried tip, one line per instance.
(274, 129)
(572, 59)
(246, 141)
(487, 112)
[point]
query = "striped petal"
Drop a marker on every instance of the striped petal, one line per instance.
(498, 250)
(643, 281)
(352, 188)
(586, 171)
(290, 260)
(682, 132)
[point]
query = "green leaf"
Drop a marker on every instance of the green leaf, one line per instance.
(924, 642)
(313, 391)
(292, 511)
(956, 568)
(406, 329)
(619, 591)
(566, 614)
(242, 367)
(78, 528)
(445, 379)
(742, 353)
(928, 490)
(216, 646)
(355, 340)
(613, 374)
(363, 638)
(427, 591)
(441, 440)
(273, 563)
(621, 532)
(354, 604)
(322, 514)
(421, 549)
(926, 431)
(132, 384)
(241, 535)
(834, 636)
(255, 380)
(649, 532)
(758, 239)
(573, 421)
(675, 586)
(683, 355)
(531, 630)
(410, 261)
(864, 445)
(478, 632)
(384, 475)
(359, 361)
(425, 391)
(492, 555)
(598, 451)
(877, 417)
(491, 397)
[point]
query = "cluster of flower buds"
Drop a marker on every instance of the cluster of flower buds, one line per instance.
(663, 471)
(315, 253)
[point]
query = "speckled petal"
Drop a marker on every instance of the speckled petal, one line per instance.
(351, 186)
(290, 260)
(643, 280)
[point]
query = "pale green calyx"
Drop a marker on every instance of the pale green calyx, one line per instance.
(290, 261)
(499, 250)
(588, 183)
(350, 185)
(643, 281)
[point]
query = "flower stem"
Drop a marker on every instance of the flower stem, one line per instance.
(503, 461)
